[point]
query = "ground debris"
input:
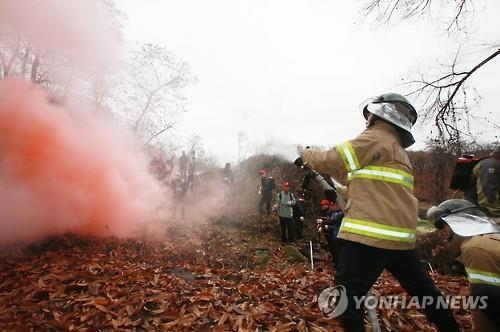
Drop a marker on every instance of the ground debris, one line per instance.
(199, 279)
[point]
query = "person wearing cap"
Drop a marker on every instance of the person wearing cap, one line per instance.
(330, 221)
(485, 181)
(284, 204)
(379, 227)
(267, 187)
(478, 238)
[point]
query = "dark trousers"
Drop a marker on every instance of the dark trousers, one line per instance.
(265, 203)
(361, 265)
(286, 225)
(299, 228)
(334, 246)
(493, 302)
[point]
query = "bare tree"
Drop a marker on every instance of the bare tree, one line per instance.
(154, 90)
(388, 10)
(448, 100)
(19, 58)
(446, 97)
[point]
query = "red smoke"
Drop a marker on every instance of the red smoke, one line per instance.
(66, 171)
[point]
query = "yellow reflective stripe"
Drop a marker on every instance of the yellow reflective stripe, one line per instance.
(483, 277)
(348, 155)
(379, 231)
(383, 174)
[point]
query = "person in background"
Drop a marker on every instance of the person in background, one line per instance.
(330, 224)
(227, 173)
(267, 187)
(192, 161)
(192, 181)
(158, 168)
(179, 187)
(299, 214)
(170, 165)
(485, 185)
(478, 238)
(324, 214)
(183, 163)
(284, 204)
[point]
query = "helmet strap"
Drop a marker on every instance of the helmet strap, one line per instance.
(370, 119)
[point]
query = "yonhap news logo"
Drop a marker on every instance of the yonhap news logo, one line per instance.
(333, 301)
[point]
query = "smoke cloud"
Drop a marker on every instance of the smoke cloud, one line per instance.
(65, 166)
(63, 172)
(82, 31)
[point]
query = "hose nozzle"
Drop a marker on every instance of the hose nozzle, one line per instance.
(298, 162)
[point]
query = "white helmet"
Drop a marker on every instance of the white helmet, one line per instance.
(463, 217)
(395, 109)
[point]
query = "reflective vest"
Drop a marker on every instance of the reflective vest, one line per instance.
(481, 257)
(381, 209)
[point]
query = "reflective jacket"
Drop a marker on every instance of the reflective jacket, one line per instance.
(486, 190)
(480, 256)
(381, 209)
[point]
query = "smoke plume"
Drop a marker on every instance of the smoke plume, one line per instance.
(82, 31)
(64, 172)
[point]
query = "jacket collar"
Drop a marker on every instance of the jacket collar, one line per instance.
(382, 125)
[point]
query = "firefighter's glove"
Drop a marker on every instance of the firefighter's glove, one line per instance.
(298, 162)
(457, 268)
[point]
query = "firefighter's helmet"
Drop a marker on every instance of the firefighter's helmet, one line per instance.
(463, 217)
(395, 109)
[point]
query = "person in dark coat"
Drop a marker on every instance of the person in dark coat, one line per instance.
(299, 214)
(267, 187)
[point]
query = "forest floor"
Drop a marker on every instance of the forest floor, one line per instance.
(228, 274)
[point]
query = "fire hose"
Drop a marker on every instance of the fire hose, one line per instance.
(329, 190)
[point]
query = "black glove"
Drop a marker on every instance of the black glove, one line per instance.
(298, 162)
(458, 268)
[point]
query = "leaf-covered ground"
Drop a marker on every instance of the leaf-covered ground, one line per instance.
(228, 275)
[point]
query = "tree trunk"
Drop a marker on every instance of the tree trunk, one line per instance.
(25, 60)
(34, 69)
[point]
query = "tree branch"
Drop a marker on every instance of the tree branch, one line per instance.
(158, 133)
(459, 83)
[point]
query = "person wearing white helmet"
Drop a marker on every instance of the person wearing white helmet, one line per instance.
(379, 227)
(478, 238)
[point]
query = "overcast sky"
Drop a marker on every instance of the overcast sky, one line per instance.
(294, 71)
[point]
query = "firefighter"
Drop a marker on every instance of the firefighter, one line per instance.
(478, 238)
(379, 228)
(485, 185)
